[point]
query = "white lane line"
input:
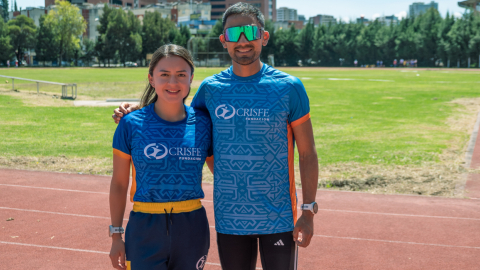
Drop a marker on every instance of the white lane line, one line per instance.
(73, 249)
(60, 213)
(70, 190)
(55, 213)
(395, 242)
(53, 247)
(209, 201)
(393, 214)
(59, 189)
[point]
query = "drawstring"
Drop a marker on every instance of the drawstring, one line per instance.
(167, 218)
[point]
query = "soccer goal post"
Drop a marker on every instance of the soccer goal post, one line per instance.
(208, 52)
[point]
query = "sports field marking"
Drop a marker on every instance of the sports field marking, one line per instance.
(60, 213)
(377, 80)
(56, 213)
(209, 201)
(395, 242)
(341, 79)
(59, 189)
(70, 190)
(74, 249)
(393, 214)
(349, 79)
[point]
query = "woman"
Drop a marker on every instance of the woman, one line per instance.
(167, 143)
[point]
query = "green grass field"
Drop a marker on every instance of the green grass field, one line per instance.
(365, 117)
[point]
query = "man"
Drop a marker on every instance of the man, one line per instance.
(257, 113)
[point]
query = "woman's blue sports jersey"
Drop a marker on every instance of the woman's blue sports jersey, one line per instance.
(168, 157)
(253, 117)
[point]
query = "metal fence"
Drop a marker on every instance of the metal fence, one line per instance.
(69, 90)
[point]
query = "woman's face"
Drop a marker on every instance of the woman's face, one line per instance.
(171, 79)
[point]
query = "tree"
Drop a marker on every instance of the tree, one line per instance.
(304, 42)
(214, 44)
(427, 26)
(175, 37)
(6, 48)
(131, 48)
(270, 48)
(46, 47)
(155, 32)
(15, 5)
(22, 32)
(474, 45)
(88, 51)
(186, 35)
(286, 47)
(67, 24)
(124, 32)
(4, 9)
(406, 40)
(459, 39)
(443, 39)
(103, 46)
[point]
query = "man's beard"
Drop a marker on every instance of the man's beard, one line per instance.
(246, 60)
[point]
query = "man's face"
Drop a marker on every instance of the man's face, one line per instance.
(244, 52)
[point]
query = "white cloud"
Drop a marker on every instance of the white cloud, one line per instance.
(457, 15)
(375, 16)
(401, 15)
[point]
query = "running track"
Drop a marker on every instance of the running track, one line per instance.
(60, 222)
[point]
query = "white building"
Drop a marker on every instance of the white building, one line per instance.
(418, 8)
(194, 11)
(323, 20)
(286, 14)
(389, 20)
(31, 12)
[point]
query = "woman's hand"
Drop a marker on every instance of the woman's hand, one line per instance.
(117, 253)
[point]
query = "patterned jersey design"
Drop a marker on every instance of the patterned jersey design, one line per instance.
(251, 118)
(167, 157)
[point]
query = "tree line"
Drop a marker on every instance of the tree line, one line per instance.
(121, 37)
(429, 38)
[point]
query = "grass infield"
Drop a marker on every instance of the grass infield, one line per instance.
(367, 123)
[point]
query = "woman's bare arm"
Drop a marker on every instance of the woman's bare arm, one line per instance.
(118, 201)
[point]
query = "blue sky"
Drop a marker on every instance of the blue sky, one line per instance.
(352, 9)
(344, 9)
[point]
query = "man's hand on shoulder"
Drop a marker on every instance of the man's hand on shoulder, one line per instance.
(124, 109)
(304, 225)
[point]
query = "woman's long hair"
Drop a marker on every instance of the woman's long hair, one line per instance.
(149, 95)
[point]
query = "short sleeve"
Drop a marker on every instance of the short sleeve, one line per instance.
(122, 140)
(299, 104)
(198, 101)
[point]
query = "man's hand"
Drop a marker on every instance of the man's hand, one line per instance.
(305, 226)
(117, 253)
(124, 109)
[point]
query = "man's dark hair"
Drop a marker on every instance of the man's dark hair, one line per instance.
(244, 9)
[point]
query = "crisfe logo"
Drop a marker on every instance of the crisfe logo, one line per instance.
(226, 112)
(159, 151)
(156, 152)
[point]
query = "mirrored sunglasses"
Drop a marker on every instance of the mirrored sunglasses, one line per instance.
(251, 32)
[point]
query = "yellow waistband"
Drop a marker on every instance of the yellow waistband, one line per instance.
(159, 208)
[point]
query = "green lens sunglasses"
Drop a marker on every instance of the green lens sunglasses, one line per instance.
(251, 32)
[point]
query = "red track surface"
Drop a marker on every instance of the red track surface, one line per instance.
(60, 222)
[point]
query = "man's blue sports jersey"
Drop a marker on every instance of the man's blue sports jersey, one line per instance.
(254, 185)
(168, 157)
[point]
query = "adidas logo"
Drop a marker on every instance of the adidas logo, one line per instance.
(279, 243)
